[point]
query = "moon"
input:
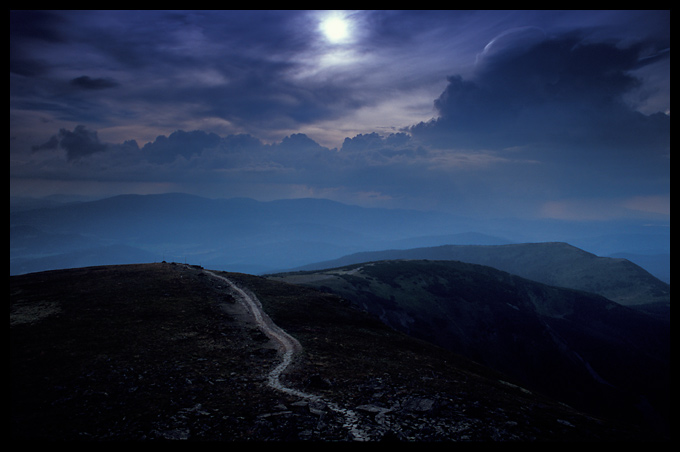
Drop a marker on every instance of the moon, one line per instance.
(335, 28)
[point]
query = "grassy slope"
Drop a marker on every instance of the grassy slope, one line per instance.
(541, 335)
(553, 263)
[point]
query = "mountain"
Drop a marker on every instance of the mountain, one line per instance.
(239, 233)
(165, 352)
(462, 238)
(245, 235)
(32, 250)
(578, 347)
(658, 265)
(553, 263)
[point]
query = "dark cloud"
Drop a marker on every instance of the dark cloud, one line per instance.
(374, 141)
(29, 25)
(79, 143)
(299, 142)
(555, 110)
(553, 92)
(257, 103)
(26, 30)
(180, 143)
(86, 82)
(395, 151)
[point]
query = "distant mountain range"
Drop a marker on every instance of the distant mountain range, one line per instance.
(262, 237)
(238, 234)
(578, 347)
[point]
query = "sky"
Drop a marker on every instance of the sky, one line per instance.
(528, 114)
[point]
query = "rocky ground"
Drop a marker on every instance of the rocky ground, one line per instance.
(162, 352)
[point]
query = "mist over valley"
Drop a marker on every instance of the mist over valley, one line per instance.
(246, 235)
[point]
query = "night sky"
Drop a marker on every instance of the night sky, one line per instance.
(531, 114)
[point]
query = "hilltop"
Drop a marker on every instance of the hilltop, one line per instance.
(553, 263)
(163, 351)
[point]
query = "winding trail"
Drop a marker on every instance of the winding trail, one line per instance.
(288, 347)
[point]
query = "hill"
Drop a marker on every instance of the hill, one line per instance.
(577, 347)
(164, 351)
(553, 263)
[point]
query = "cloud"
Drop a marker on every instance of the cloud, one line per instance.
(560, 105)
(27, 30)
(601, 209)
(79, 143)
(86, 82)
(171, 68)
(178, 144)
(559, 92)
(235, 102)
(659, 204)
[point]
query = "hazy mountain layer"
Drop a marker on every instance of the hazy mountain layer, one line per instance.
(245, 235)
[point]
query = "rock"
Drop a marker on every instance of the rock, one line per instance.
(318, 382)
(392, 436)
(371, 409)
(419, 405)
(174, 434)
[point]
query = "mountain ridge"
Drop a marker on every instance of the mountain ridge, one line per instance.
(553, 263)
(579, 347)
(163, 352)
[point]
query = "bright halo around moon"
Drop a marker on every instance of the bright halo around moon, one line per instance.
(336, 28)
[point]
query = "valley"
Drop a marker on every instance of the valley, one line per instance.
(255, 237)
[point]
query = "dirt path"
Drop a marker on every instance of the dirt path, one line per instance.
(288, 346)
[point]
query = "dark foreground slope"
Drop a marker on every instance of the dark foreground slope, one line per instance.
(161, 351)
(577, 347)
